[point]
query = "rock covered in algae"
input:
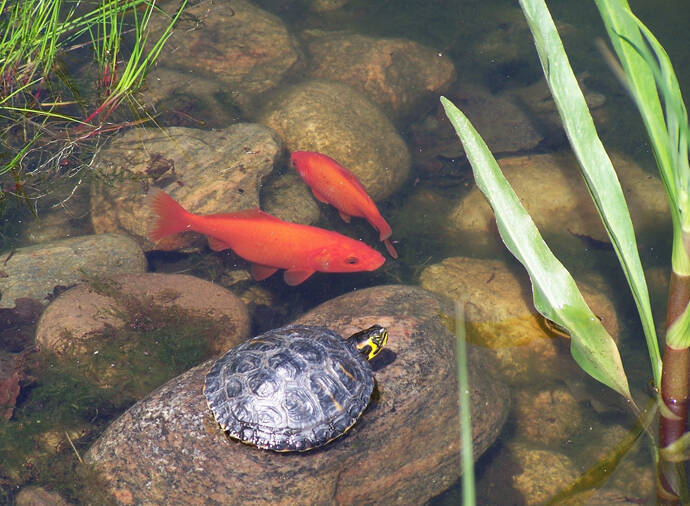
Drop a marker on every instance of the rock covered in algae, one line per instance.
(404, 449)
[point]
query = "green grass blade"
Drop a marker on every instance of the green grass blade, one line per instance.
(467, 456)
(555, 294)
(597, 168)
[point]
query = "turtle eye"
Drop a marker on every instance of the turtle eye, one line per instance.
(351, 260)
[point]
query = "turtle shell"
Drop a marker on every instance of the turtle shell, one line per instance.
(292, 388)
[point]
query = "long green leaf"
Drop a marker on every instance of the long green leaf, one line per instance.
(650, 79)
(555, 294)
(597, 168)
(625, 37)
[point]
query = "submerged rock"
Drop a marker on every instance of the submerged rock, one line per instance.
(138, 301)
(551, 188)
(500, 314)
(404, 449)
(205, 171)
(35, 271)
(288, 198)
(396, 74)
(526, 475)
(129, 334)
(39, 496)
(336, 120)
(247, 50)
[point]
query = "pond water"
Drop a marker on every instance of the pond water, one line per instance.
(359, 80)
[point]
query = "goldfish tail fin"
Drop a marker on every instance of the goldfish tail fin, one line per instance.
(383, 227)
(390, 248)
(172, 217)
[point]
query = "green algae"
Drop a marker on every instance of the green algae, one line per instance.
(70, 396)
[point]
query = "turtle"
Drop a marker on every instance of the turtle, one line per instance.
(293, 388)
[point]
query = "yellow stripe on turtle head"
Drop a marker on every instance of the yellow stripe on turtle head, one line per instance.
(371, 341)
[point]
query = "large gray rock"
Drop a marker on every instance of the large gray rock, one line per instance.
(405, 449)
(35, 271)
(205, 171)
(336, 120)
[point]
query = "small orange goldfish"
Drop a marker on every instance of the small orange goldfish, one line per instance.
(331, 183)
(268, 242)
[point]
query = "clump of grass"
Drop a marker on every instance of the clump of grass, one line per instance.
(45, 118)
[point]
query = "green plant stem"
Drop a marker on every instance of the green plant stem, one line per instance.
(467, 455)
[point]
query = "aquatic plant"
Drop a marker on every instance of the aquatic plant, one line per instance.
(44, 116)
(647, 73)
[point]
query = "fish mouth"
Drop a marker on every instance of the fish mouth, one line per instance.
(376, 263)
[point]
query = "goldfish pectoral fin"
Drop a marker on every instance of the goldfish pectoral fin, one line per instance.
(345, 217)
(295, 277)
(261, 272)
(390, 248)
(217, 244)
(319, 197)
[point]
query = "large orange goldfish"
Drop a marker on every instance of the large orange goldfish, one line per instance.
(331, 183)
(268, 242)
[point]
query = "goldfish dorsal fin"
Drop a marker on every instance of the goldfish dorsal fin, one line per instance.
(254, 214)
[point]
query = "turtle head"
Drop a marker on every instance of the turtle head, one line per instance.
(370, 341)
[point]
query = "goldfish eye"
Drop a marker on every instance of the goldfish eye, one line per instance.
(351, 260)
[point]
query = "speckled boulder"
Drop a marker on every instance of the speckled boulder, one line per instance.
(405, 449)
(35, 271)
(336, 120)
(247, 50)
(500, 313)
(205, 171)
(396, 74)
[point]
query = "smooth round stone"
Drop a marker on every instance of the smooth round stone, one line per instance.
(404, 449)
(397, 74)
(335, 119)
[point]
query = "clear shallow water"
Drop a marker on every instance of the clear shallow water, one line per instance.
(457, 30)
